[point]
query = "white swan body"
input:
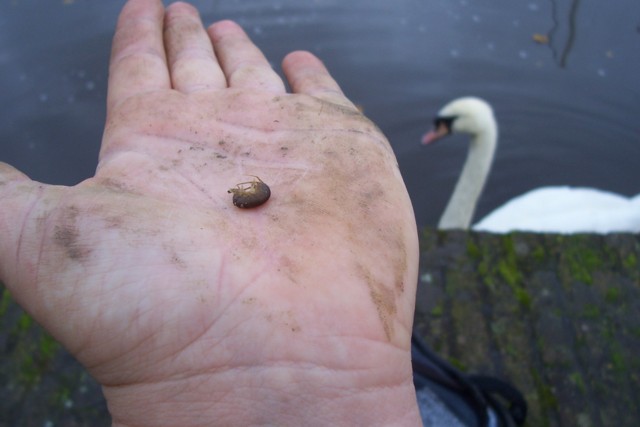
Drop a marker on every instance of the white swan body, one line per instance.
(565, 210)
(546, 209)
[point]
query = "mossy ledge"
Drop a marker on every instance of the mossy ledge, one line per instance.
(40, 383)
(556, 315)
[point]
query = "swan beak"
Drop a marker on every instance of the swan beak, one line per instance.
(440, 131)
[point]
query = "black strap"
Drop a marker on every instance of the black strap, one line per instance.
(492, 387)
(478, 392)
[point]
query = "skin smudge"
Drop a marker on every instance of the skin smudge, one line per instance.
(385, 305)
(67, 236)
(384, 299)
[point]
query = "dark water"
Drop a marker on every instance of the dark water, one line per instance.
(568, 110)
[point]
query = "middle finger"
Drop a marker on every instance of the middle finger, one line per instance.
(192, 63)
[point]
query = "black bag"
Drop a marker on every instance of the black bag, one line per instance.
(475, 400)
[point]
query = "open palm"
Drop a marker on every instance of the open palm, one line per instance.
(184, 306)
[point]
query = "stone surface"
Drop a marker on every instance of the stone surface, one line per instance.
(558, 316)
(41, 385)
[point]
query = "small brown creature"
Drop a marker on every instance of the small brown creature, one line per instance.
(250, 194)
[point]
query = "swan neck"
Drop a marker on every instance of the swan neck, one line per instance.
(461, 207)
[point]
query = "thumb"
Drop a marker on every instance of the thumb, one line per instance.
(10, 174)
(19, 249)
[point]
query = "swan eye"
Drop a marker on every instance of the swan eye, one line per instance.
(447, 122)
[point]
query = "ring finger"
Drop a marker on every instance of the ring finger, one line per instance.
(243, 63)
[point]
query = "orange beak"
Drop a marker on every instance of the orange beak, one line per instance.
(435, 134)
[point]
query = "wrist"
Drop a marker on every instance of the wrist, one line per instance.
(279, 393)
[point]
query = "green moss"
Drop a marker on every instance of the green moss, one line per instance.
(523, 297)
(438, 310)
(457, 363)
(29, 374)
(486, 273)
(509, 272)
(581, 342)
(24, 322)
(505, 268)
(539, 254)
(5, 301)
(509, 248)
(513, 351)
(591, 350)
(473, 250)
(591, 311)
(577, 380)
(36, 359)
(48, 347)
(546, 396)
(617, 361)
(581, 261)
(490, 283)
(631, 261)
(612, 295)
(498, 327)
(62, 396)
(607, 330)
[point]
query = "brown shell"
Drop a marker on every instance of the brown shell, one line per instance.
(250, 194)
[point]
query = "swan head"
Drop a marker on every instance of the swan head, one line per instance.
(469, 115)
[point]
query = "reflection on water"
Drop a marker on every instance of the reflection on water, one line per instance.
(565, 48)
(567, 110)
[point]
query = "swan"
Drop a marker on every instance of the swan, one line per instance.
(547, 209)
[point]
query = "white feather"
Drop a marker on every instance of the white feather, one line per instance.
(546, 209)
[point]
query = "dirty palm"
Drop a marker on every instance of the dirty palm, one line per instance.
(152, 278)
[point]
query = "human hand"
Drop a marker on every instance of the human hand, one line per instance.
(188, 310)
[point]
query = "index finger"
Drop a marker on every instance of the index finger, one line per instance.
(138, 62)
